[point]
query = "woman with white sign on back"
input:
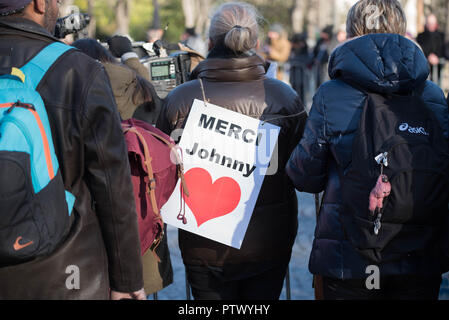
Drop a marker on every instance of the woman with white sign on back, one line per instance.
(234, 77)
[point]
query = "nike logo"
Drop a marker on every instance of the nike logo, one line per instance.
(18, 246)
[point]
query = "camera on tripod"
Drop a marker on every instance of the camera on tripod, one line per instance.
(71, 24)
(166, 71)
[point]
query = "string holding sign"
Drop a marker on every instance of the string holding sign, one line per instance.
(206, 101)
(284, 117)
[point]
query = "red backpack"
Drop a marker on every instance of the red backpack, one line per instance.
(154, 176)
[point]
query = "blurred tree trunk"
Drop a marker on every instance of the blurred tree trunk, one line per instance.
(156, 15)
(298, 15)
(91, 31)
(311, 18)
(421, 18)
(122, 16)
(306, 20)
(203, 20)
(65, 8)
(196, 13)
(189, 8)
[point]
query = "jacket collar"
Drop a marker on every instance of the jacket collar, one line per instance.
(225, 65)
(243, 69)
(18, 24)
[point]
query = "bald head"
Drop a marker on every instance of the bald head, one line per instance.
(432, 23)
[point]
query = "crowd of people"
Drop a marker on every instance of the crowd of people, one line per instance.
(304, 61)
(390, 209)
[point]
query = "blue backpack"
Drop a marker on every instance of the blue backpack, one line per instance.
(34, 206)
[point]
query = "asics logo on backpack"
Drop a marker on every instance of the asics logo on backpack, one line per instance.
(394, 190)
(414, 130)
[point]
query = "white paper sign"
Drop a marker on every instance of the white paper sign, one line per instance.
(226, 156)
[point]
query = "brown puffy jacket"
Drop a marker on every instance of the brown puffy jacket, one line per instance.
(239, 84)
(125, 86)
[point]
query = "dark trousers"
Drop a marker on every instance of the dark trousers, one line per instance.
(391, 288)
(435, 74)
(238, 282)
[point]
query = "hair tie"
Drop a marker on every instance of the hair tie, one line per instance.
(237, 27)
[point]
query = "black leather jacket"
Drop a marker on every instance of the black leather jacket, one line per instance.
(103, 242)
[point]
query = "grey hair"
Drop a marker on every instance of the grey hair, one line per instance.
(376, 16)
(238, 23)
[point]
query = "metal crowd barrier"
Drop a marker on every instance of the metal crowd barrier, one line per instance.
(434, 73)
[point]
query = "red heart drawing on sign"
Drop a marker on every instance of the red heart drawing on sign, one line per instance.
(209, 200)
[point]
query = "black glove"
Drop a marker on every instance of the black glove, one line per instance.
(119, 45)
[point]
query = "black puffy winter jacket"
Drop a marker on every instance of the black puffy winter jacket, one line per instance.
(380, 63)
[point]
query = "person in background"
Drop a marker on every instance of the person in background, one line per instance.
(373, 60)
(278, 48)
(193, 41)
(121, 47)
(154, 34)
(131, 90)
(340, 37)
(321, 53)
(103, 242)
(432, 42)
(134, 95)
(150, 104)
(234, 78)
(299, 61)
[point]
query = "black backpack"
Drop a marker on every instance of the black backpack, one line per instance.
(34, 206)
(400, 137)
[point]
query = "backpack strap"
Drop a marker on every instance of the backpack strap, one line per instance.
(180, 169)
(152, 182)
(41, 63)
(31, 75)
(178, 159)
(151, 188)
(14, 72)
